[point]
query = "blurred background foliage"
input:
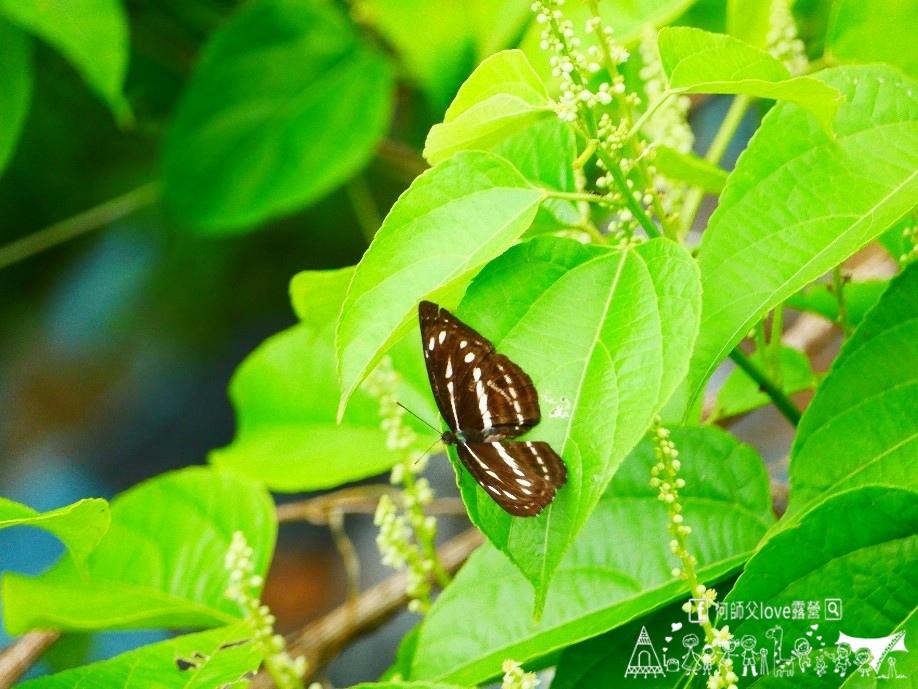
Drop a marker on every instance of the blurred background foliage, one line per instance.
(166, 166)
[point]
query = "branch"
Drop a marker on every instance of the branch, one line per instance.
(356, 500)
(321, 640)
(84, 222)
(18, 658)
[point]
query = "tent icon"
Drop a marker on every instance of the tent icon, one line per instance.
(644, 660)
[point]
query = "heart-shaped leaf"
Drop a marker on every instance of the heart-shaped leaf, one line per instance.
(285, 104)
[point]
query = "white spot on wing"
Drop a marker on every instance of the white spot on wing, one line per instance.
(449, 368)
(431, 345)
(442, 336)
(469, 358)
(463, 344)
(476, 374)
(483, 404)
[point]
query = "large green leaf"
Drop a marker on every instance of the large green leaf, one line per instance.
(91, 34)
(756, 253)
(860, 547)
(159, 565)
(502, 96)
(618, 569)
(285, 104)
(17, 81)
(450, 222)
(697, 61)
(79, 526)
(605, 336)
(219, 659)
(878, 31)
(863, 414)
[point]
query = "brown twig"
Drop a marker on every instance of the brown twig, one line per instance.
(16, 659)
(356, 500)
(321, 641)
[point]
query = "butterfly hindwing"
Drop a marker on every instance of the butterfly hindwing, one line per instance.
(521, 477)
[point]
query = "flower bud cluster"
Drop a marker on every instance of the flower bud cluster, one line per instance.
(574, 66)
(517, 678)
(910, 235)
(244, 587)
(382, 383)
(782, 40)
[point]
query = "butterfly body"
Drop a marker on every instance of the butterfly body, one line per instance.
(486, 400)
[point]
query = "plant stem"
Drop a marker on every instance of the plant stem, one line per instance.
(364, 206)
(715, 153)
(781, 401)
(838, 286)
(84, 222)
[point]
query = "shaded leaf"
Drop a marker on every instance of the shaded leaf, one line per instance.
(757, 253)
(161, 563)
(821, 299)
(91, 34)
(619, 568)
(689, 168)
(220, 661)
(859, 547)
(16, 77)
(285, 104)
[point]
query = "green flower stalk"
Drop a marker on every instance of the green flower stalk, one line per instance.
(664, 477)
(243, 588)
(407, 535)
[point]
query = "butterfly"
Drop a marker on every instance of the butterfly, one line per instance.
(485, 398)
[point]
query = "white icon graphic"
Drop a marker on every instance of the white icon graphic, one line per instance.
(776, 634)
(879, 648)
(833, 608)
(644, 659)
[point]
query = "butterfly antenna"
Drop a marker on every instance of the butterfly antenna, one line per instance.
(430, 425)
(427, 451)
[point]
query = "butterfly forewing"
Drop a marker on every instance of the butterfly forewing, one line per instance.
(484, 398)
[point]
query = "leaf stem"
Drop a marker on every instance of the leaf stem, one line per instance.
(79, 224)
(715, 153)
(838, 286)
(364, 206)
(781, 401)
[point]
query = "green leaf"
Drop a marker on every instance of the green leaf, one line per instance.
(821, 299)
(740, 394)
(618, 569)
(285, 104)
(220, 661)
(863, 413)
(756, 253)
(879, 31)
(91, 34)
(502, 96)
(860, 547)
(700, 62)
(286, 397)
(689, 168)
(405, 685)
(749, 21)
(451, 221)
(79, 526)
(605, 336)
(16, 77)
(161, 563)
